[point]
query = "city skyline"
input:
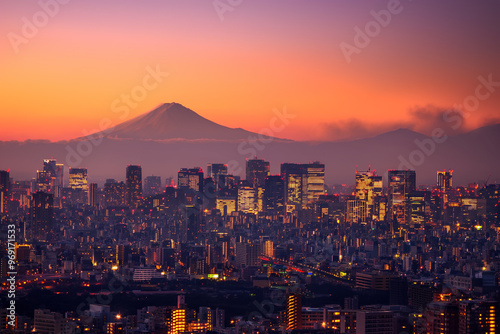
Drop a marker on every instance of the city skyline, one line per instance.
(235, 65)
(250, 166)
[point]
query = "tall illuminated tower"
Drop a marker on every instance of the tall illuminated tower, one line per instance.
(42, 206)
(368, 187)
(304, 183)
(78, 179)
(401, 184)
(152, 185)
(294, 311)
(274, 195)
(256, 172)
(134, 185)
(444, 180)
(4, 190)
(190, 178)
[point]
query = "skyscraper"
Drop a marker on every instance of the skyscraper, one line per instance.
(44, 182)
(93, 195)
(294, 311)
(217, 172)
(304, 183)
(78, 179)
(401, 184)
(215, 169)
(274, 195)
(441, 317)
(41, 214)
(4, 190)
(368, 187)
(256, 172)
(444, 180)
(478, 317)
(134, 185)
(115, 193)
(78, 184)
(247, 199)
(152, 185)
(190, 178)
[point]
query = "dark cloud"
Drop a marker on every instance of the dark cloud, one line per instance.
(426, 119)
(422, 119)
(353, 128)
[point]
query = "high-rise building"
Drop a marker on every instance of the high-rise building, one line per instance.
(444, 180)
(190, 179)
(50, 166)
(78, 179)
(256, 172)
(42, 206)
(178, 320)
(420, 210)
(247, 199)
(152, 185)
(478, 317)
(294, 311)
(304, 183)
(274, 195)
(215, 171)
(134, 185)
(44, 182)
(315, 182)
(401, 184)
(93, 195)
(51, 180)
(226, 205)
(4, 190)
(248, 254)
(368, 188)
(441, 318)
(293, 177)
(356, 211)
(114, 193)
(78, 186)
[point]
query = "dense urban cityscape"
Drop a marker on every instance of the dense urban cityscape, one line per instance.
(209, 252)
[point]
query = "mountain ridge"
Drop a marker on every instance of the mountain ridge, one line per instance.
(173, 121)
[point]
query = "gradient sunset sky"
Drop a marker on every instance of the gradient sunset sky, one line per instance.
(62, 79)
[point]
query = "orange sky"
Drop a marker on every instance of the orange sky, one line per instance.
(64, 79)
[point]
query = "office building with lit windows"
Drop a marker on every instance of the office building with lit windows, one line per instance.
(444, 180)
(304, 183)
(42, 207)
(368, 188)
(190, 179)
(478, 317)
(152, 185)
(294, 311)
(78, 179)
(256, 172)
(401, 184)
(4, 190)
(134, 185)
(247, 199)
